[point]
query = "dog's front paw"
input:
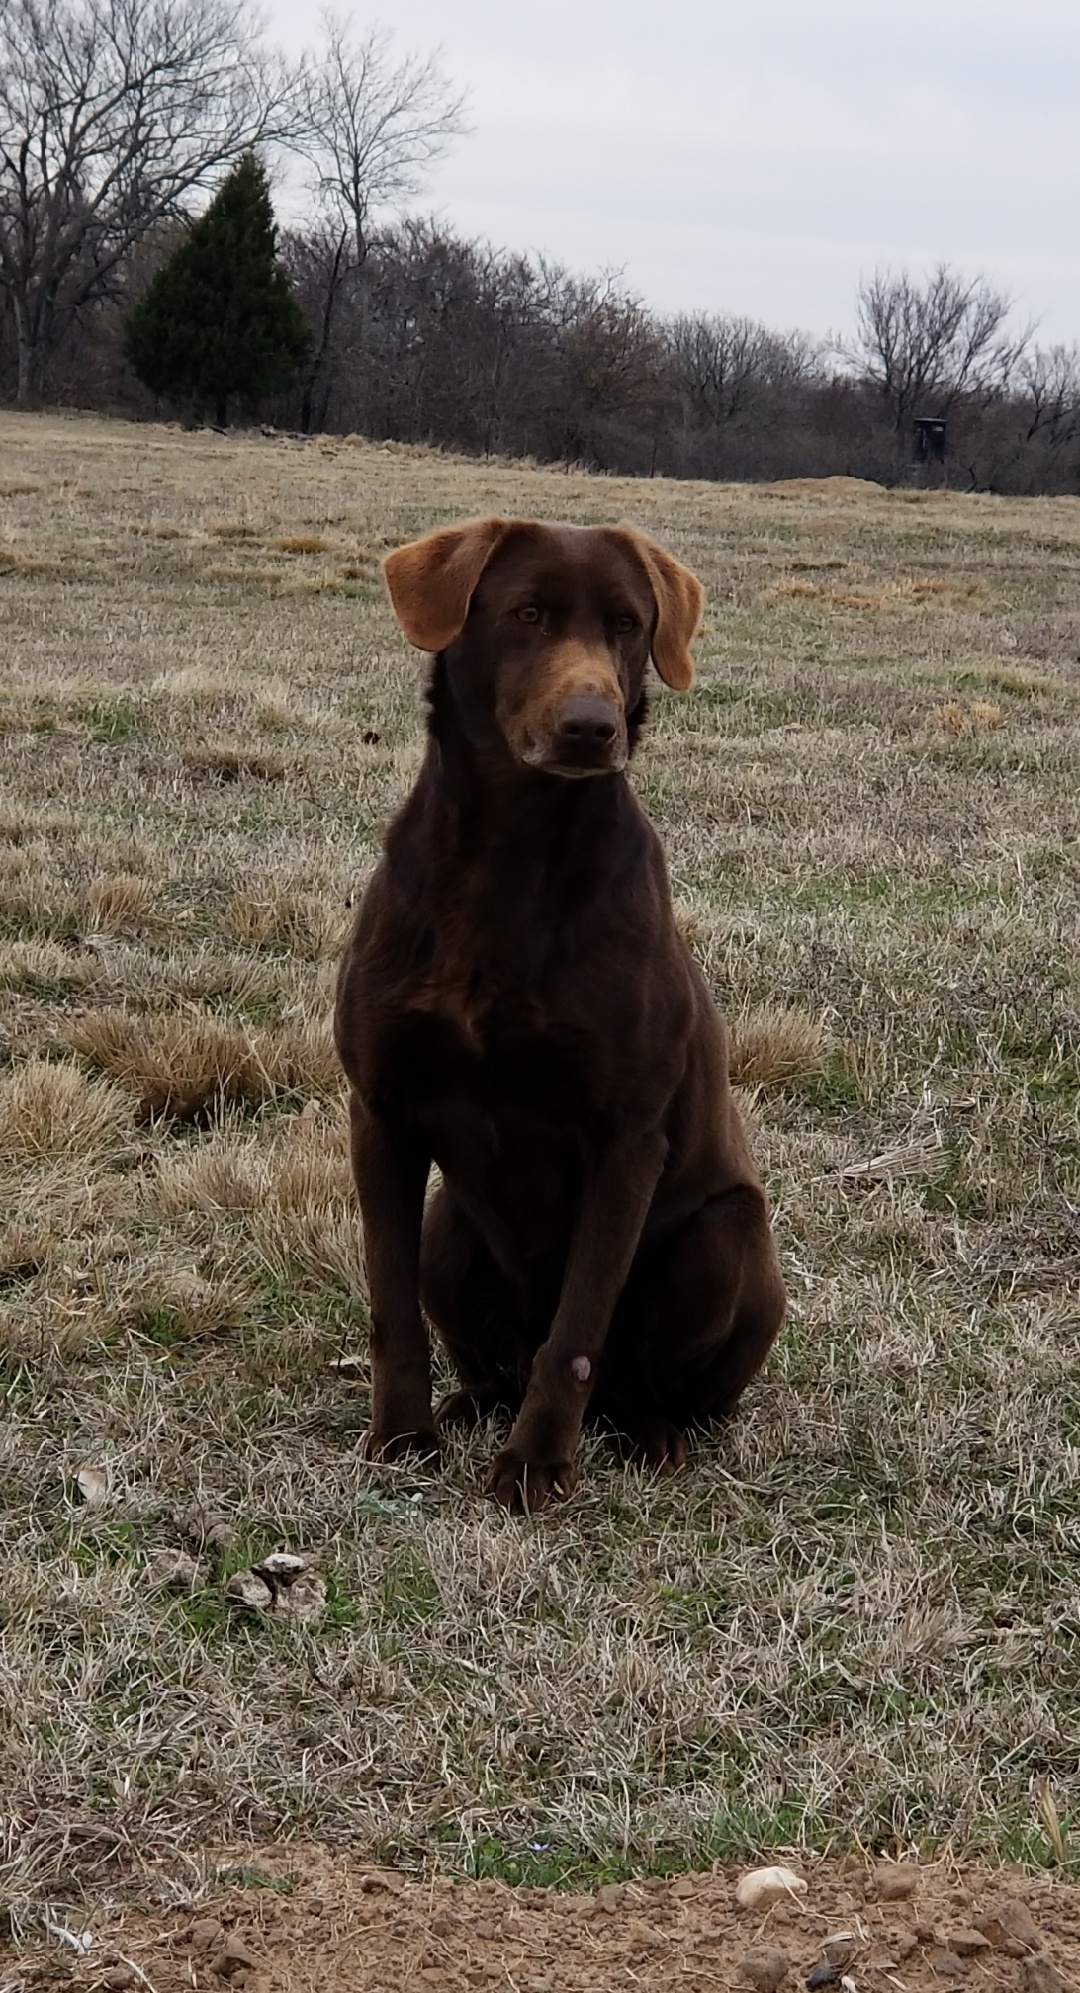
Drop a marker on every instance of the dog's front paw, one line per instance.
(421, 1443)
(527, 1486)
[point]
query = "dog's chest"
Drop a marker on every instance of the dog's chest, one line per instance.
(506, 1111)
(500, 1085)
(492, 1053)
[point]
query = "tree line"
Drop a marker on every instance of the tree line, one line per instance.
(118, 118)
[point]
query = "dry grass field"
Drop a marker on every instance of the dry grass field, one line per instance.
(855, 1618)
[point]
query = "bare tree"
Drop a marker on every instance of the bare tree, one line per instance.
(112, 112)
(1049, 380)
(927, 347)
(317, 261)
(724, 365)
(373, 125)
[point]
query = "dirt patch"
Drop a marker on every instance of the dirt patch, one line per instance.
(288, 1920)
(825, 487)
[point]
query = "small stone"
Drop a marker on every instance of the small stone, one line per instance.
(760, 1886)
(841, 1947)
(282, 1567)
(383, 1878)
(207, 1934)
(765, 1969)
(249, 1593)
(967, 1943)
(1010, 1919)
(948, 1965)
(823, 1974)
(681, 1888)
(93, 1485)
(610, 1897)
(896, 1881)
(1042, 1977)
(233, 1958)
(926, 1934)
(1000, 1939)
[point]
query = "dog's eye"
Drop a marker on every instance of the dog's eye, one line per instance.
(624, 625)
(530, 613)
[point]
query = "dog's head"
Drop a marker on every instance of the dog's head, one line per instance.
(547, 631)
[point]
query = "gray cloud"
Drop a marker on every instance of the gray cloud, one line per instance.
(760, 157)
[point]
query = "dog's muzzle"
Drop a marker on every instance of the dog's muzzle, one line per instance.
(587, 738)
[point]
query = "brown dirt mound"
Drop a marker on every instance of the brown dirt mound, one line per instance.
(823, 487)
(293, 1920)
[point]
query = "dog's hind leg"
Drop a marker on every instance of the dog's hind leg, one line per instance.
(694, 1325)
(475, 1310)
(650, 1442)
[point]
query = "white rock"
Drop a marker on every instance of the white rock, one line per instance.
(761, 1886)
(282, 1567)
(93, 1485)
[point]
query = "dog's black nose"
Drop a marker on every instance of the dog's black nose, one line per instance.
(587, 722)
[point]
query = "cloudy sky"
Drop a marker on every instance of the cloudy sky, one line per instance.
(760, 157)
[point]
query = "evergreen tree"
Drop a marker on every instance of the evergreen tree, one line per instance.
(219, 318)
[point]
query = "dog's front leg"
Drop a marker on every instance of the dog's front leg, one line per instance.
(391, 1167)
(537, 1461)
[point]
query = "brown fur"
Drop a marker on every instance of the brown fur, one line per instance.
(571, 670)
(517, 1006)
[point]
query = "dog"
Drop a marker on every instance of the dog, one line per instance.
(517, 1006)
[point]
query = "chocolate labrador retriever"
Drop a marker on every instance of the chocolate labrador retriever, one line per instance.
(517, 1006)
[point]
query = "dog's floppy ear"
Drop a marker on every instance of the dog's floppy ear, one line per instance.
(431, 581)
(680, 599)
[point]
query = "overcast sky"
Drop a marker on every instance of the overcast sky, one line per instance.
(761, 157)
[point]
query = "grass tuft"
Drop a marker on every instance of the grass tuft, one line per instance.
(973, 716)
(300, 543)
(185, 1067)
(124, 904)
(290, 919)
(772, 1047)
(50, 1111)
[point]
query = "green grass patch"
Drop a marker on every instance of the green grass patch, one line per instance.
(107, 722)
